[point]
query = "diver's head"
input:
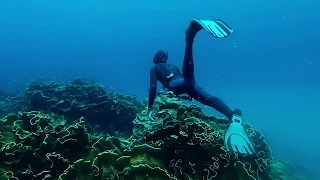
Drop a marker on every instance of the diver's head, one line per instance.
(160, 57)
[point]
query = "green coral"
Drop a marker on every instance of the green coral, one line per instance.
(60, 140)
(105, 163)
(145, 154)
(145, 172)
(10, 103)
(34, 139)
(80, 98)
(276, 171)
(40, 148)
(193, 143)
(80, 169)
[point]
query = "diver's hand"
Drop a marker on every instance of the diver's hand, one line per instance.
(170, 93)
(150, 115)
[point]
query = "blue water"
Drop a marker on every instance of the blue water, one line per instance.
(268, 67)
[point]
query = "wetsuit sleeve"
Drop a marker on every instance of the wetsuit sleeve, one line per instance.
(153, 87)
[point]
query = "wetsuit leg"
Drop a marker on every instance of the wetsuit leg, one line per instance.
(200, 95)
(188, 66)
(177, 85)
(183, 84)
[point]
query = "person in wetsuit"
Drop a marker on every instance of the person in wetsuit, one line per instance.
(183, 82)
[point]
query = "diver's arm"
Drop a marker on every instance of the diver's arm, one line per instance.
(153, 87)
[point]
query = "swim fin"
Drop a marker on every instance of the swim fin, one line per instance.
(216, 27)
(236, 138)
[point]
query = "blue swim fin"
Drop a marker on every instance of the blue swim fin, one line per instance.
(216, 27)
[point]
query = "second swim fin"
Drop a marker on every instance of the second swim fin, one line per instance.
(236, 138)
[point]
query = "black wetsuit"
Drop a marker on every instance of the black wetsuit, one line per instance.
(184, 82)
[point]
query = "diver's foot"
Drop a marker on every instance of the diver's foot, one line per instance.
(237, 112)
(192, 30)
(236, 116)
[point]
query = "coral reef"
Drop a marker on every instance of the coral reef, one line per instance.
(44, 142)
(10, 103)
(110, 111)
(37, 146)
(193, 143)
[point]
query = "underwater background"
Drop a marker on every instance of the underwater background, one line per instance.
(269, 67)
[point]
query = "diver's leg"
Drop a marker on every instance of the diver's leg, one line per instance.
(188, 65)
(200, 95)
(177, 86)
